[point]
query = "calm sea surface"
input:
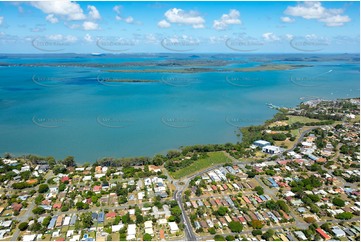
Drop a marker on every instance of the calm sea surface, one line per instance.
(70, 110)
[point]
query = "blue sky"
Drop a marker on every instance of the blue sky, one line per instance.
(126, 27)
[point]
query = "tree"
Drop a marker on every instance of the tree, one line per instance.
(79, 205)
(251, 174)
(94, 199)
(87, 220)
(38, 210)
(46, 221)
(147, 237)
(69, 161)
(43, 188)
(282, 204)
(230, 238)
(198, 191)
(126, 218)
(268, 234)
(139, 219)
(338, 202)
(259, 190)
(279, 137)
(256, 232)
(171, 218)
(310, 220)
(64, 208)
(344, 216)
(219, 238)
(314, 197)
(39, 199)
(176, 211)
(35, 227)
(222, 211)
(314, 208)
(235, 227)
(212, 230)
(257, 224)
(62, 187)
(23, 226)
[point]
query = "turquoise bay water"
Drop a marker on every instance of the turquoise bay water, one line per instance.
(61, 111)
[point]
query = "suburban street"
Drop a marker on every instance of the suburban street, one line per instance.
(29, 210)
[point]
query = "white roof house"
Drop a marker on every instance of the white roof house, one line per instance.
(173, 227)
(116, 228)
(141, 195)
(29, 237)
(87, 178)
(98, 176)
(75, 238)
(6, 224)
(3, 232)
(131, 231)
(271, 149)
(148, 224)
(261, 143)
(149, 231)
(66, 221)
(289, 194)
(162, 221)
(300, 235)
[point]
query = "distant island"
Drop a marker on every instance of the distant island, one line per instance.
(271, 67)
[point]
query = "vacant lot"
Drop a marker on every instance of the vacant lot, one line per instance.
(301, 119)
(213, 159)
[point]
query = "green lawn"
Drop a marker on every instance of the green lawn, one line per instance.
(213, 159)
(301, 119)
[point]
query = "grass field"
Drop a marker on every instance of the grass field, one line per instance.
(301, 119)
(213, 159)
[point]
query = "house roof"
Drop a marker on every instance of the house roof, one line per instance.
(57, 205)
(161, 234)
(323, 233)
(17, 206)
(111, 214)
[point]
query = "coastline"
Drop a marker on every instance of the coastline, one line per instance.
(240, 130)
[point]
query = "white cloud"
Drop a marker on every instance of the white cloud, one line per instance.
(270, 36)
(315, 10)
(129, 20)
(227, 19)
(117, 9)
(289, 36)
(66, 9)
(151, 38)
(93, 12)
(335, 21)
(88, 25)
(311, 36)
(218, 39)
(70, 38)
(55, 37)
(1, 19)
(179, 16)
(52, 19)
(60, 37)
(163, 24)
(287, 19)
(183, 39)
(88, 38)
